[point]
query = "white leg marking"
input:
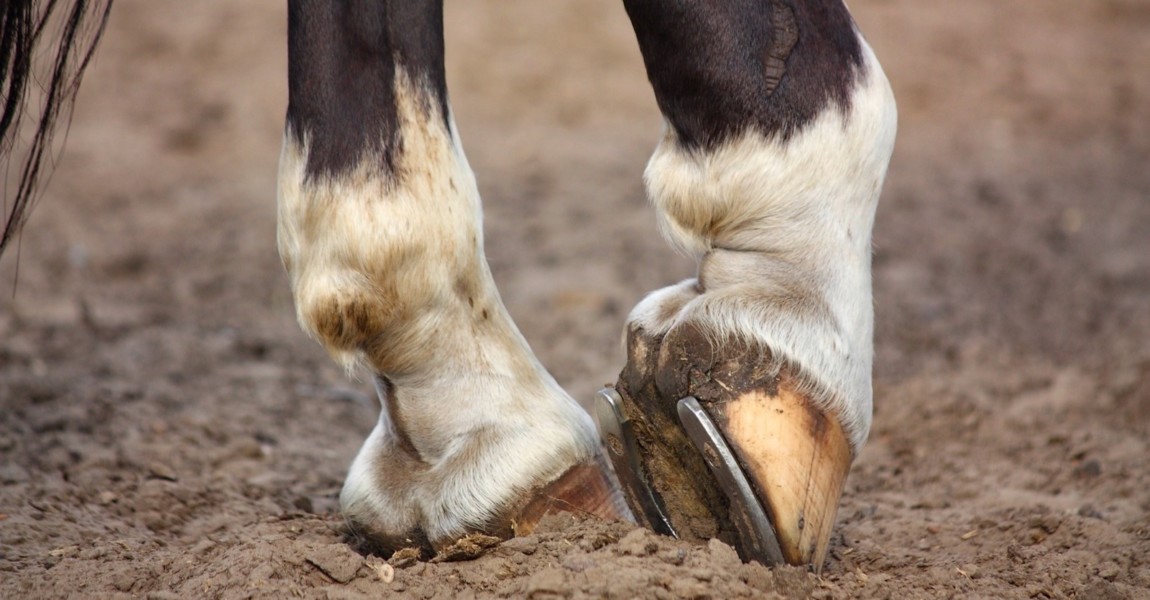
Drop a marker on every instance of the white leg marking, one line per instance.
(783, 233)
(390, 274)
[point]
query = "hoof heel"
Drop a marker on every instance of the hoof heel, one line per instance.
(618, 435)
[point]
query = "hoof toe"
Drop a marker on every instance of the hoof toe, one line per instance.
(725, 443)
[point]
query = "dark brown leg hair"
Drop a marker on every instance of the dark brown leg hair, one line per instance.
(73, 30)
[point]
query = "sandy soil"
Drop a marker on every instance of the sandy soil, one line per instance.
(167, 432)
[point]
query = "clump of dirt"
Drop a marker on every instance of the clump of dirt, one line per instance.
(571, 556)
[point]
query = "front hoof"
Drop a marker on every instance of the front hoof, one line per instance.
(731, 444)
(585, 489)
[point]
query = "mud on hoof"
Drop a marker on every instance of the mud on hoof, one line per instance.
(793, 455)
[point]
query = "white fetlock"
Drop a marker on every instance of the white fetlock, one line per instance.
(388, 274)
(773, 339)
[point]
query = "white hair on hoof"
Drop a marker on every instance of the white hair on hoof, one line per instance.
(388, 272)
(782, 226)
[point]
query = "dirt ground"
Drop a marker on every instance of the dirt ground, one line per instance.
(166, 431)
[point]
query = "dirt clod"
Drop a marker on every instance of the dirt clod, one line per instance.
(337, 561)
(469, 547)
(640, 542)
(405, 557)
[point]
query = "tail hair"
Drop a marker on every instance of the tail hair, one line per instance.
(67, 33)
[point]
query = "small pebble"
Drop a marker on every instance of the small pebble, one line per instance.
(162, 471)
(970, 570)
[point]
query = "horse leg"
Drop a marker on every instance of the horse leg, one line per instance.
(779, 127)
(380, 232)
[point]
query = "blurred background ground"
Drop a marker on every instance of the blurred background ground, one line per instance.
(167, 431)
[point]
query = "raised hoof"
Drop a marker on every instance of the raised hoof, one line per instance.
(618, 435)
(757, 537)
(721, 444)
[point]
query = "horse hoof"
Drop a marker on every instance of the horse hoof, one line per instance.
(717, 443)
(585, 489)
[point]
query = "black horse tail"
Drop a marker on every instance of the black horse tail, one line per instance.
(73, 29)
